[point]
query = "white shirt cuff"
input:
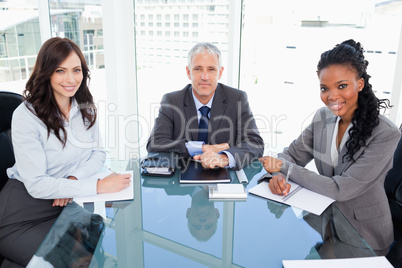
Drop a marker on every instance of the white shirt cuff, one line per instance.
(194, 147)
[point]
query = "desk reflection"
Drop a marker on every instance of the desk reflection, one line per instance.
(72, 241)
(337, 239)
(169, 224)
(202, 216)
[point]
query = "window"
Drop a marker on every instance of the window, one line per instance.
(280, 49)
(175, 46)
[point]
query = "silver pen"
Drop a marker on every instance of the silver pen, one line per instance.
(289, 172)
(288, 175)
(114, 172)
(292, 193)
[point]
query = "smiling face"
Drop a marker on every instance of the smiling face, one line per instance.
(66, 79)
(204, 73)
(340, 90)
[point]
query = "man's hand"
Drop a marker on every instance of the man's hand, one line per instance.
(215, 147)
(211, 159)
(271, 164)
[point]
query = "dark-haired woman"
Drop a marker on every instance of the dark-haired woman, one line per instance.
(352, 146)
(57, 148)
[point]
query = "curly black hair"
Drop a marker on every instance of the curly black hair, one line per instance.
(350, 53)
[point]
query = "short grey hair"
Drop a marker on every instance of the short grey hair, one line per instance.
(204, 47)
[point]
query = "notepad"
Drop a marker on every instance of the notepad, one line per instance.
(298, 197)
(227, 191)
(367, 262)
(125, 194)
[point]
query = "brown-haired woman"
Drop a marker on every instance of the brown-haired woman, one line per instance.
(57, 147)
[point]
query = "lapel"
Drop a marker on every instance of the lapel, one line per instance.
(342, 166)
(191, 115)
(326, 141)
(218, 109)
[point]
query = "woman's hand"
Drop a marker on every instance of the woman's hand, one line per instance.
(271, 164)
(62, 202)
(278, 185)
(113, 183)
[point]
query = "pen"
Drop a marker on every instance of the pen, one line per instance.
(112, 171)
(288, 175)
(292, 193)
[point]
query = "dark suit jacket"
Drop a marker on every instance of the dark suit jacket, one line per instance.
(357, 187)
(231, 121)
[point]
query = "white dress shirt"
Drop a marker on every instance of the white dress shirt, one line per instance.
(43, 165)
(334, 149)
(195, 147)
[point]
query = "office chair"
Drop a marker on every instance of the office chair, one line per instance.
(393, 188)
(8, 103)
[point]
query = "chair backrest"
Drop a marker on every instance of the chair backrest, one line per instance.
(8, 103)
(393, 188)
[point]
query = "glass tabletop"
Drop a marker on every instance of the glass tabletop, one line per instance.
(169, 224)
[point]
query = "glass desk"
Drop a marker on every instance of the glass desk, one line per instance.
(173, 225)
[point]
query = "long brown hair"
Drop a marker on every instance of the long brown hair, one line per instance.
(39, 93)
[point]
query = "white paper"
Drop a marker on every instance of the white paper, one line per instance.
(126, 194)
(158, 170)
(303, 199)
(227, 191)
(298, 212)
(100, 208)
(367, 262)
(230, 188)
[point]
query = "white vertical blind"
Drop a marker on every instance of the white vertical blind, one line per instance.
(121, 107)
(44, 20)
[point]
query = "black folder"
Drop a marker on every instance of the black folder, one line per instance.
(194, 172)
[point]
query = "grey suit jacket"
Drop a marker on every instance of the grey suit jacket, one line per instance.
(231, 121)
(358, 187)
